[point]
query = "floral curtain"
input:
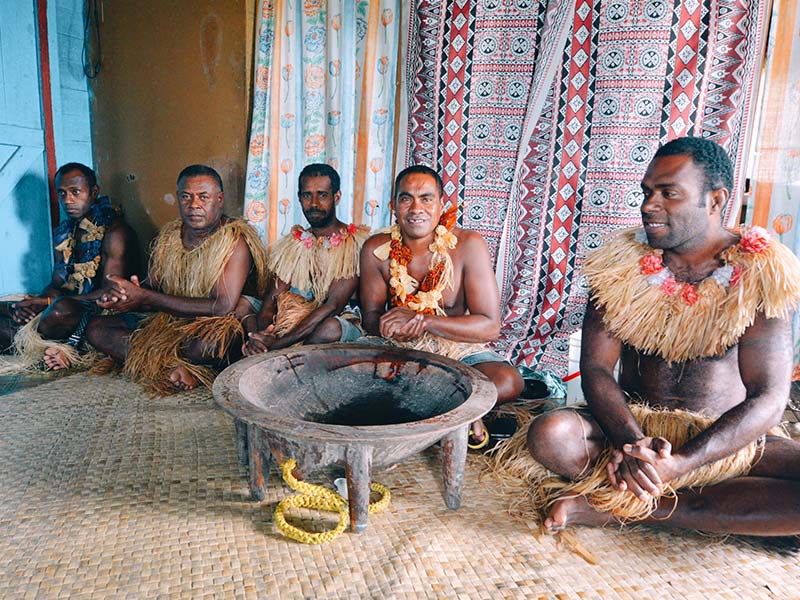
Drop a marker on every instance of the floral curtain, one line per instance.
(775, 202)
(324, 91)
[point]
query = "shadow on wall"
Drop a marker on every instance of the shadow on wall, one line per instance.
(29, 253)
(135, 214)
(232, 174)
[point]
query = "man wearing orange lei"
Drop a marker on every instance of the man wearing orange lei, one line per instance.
(428, 285)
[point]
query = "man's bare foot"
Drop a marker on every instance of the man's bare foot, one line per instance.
(55, 359)
(574, 510)
(182, 378)
(478, 435)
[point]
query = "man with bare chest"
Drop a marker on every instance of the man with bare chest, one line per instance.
(699, 318)
(428, 285)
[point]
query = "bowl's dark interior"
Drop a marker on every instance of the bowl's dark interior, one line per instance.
(368, 387)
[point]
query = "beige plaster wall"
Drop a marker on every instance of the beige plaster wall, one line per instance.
(173, 90)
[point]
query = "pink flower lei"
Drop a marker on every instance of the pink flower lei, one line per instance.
(753, 241)
(334, 240)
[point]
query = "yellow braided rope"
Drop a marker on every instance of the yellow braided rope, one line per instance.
(319, 498)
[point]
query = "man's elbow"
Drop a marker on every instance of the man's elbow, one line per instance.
(777, 410)
(493, 331)
(222, 307)
(485, 333)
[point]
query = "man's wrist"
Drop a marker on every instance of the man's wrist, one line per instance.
(426, 322)
(683, 463)
(626, 438)
(148, 295)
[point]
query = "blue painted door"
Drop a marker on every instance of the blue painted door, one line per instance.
(25, 239)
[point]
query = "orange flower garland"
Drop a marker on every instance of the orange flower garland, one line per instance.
(426, 299)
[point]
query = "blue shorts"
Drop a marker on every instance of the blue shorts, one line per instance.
(256, 303)
(350, 321)
(483, 356)
(132, 320)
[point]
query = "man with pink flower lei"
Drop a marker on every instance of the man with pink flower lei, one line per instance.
(429, 285)
(314, 274)
(698, 317)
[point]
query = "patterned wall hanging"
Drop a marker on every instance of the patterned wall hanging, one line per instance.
(542, 116)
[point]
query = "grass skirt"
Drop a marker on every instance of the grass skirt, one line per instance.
(155, 349)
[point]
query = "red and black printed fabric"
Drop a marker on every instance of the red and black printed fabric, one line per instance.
(542, 116)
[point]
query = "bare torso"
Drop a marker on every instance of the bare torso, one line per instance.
(709, 386)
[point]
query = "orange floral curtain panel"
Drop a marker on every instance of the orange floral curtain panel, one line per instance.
(775, 202)
(325, 77)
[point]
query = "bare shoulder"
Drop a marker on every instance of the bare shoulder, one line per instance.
(375, 241)
(469, 237)
(242, 247)
(119, 232)
(471, 243)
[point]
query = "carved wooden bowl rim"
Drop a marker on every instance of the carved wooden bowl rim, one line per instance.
(227, 394)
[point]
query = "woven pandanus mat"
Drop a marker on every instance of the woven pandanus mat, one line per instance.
(106, 492)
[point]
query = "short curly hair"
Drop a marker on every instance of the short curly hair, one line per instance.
(200, 171)
(418, 169)
(708, 155)
(88, 174)
(320, 170)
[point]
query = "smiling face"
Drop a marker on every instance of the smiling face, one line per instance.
(74, 193)
(677, 212)
(318, 201)
(418, 205)
(200, 201)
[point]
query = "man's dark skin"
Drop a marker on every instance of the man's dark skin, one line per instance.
(118, 258)
(472, 305)
(318, 202)
(745, 391)
(200, 203)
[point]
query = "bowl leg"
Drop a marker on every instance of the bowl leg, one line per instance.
(259, 460)
(358, 466)
(454, 454)
(241, 442)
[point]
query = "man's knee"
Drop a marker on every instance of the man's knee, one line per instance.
(511, 386)
(243, 307)
(8, 328)
(506, 379)
(101, 331)
(327, 332)
(557, 441)
(60, 318)
(547, 432)
(94, 331)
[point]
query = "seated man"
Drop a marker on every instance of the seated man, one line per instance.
(200, 267)
(699, 317)
(93, 242)
(314, 273)
(438, 282)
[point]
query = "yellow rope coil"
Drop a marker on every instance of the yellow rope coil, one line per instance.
(319, 498)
